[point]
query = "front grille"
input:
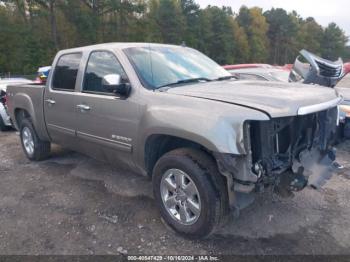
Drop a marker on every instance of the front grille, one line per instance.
(328, 70)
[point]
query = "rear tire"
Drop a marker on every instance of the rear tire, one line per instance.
(34, 148)
(199, 213)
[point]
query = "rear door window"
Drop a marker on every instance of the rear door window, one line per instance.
(66, 72)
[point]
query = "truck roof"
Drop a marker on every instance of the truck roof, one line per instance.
(115, 45)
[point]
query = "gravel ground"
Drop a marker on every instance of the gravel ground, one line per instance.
(71, 204)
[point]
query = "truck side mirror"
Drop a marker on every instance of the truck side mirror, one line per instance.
(113, 83)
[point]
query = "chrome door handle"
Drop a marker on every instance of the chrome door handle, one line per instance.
(83, 107)
(50, 101)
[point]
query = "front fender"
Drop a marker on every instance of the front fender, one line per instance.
(219, 129)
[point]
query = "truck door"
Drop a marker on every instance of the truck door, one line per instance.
(59, 104)
(106, 123)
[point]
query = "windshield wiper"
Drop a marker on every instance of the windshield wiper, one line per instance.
(226, 78)
(186, 81)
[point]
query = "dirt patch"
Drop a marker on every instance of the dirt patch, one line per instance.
(71, 204)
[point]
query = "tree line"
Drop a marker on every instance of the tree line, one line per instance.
(32, 31)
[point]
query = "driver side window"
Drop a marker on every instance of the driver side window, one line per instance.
(100, 64)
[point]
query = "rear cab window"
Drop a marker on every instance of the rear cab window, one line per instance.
(66, 71)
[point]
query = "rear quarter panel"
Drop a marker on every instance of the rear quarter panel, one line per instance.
(30, 99)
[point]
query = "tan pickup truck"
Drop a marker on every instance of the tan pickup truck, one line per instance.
(209, 142)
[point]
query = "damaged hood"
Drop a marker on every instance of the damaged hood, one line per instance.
(273, 98)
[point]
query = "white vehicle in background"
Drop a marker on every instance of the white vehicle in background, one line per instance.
(5, 121)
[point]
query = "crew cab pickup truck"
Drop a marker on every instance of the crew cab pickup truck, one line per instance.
(210, 143)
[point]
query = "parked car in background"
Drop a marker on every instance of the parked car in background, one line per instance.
(42, 75)
(259, 72)
(344, 111)
(307, 69)
(242, 66)
(347, 67)
(5, 121)
(344, 89)
(208, 141)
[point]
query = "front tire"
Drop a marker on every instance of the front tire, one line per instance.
(34, 148)
(190, 192)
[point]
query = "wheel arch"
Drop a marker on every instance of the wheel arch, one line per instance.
(24, 108)
(156, 145)
(20, 114)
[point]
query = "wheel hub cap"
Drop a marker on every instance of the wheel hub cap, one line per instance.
(180, 196)
(28, 141)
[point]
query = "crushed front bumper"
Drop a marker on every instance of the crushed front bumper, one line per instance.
(285, 154)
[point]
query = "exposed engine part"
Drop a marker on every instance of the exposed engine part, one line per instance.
(258, 169)
(291, 152)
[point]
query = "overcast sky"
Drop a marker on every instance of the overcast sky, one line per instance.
(324, 11)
